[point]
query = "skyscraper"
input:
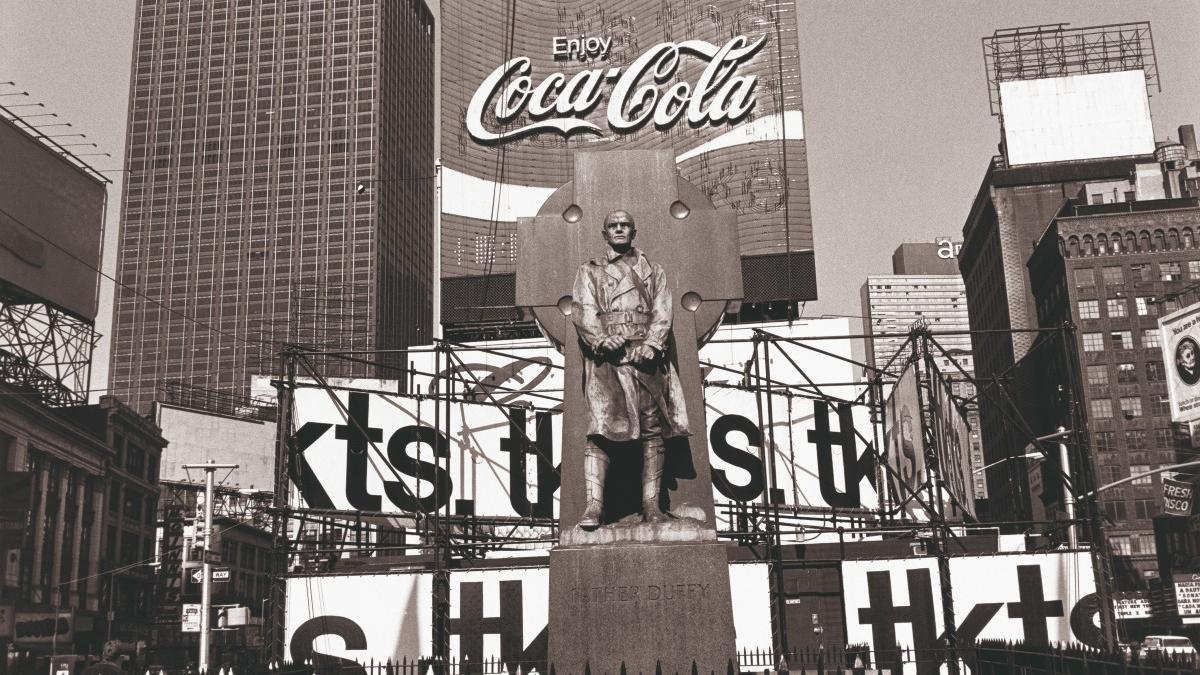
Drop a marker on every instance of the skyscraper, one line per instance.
(280, 188)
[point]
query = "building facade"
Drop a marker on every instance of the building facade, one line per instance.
(924, 287)
(498, 170)
(80, 558)
(280, 182)
(1112, 270)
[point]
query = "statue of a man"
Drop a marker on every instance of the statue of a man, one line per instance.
(621, 308)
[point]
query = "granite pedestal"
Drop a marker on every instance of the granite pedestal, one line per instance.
(646, 605)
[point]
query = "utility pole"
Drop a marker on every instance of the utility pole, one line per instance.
(1064, 458)
(206, 582)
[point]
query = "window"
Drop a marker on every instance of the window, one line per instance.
(1121, 339)
(1150, 338)
(1140, 272)
(1164, 438)
(1135, 469)
(1119, 542)
(1170, 271)
(1131, 406)
(1144, 509)
(1101, 408)
(1194, 269)
(1113, 276)
(1126, 373)
(1135, 439)
(1143, 543)
(1097, 375)
(1105, 441)
(1145, 306)
(1160, 405)
(1110, 473)
(1154, 371)
(1084, 278)
(1089, 309)
(1116, 308)
(1093, 342)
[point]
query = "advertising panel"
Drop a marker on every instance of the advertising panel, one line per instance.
(1038, 598)
(1177, 497)
(952, 435)
(1187, 596)
(1083, 116)
(504, 430)
(497, 614)
(906, 474)
(718, 84)
(1180, 340)
(50, 226)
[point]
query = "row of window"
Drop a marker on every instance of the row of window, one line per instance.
(1130, 406)
(1135, 440)
(1132, 544)
(1153, 371)
(1085, 277)
(1118, 308)
(1143, 509)
(1120, 339)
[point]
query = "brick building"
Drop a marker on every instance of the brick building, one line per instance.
(1112, 269)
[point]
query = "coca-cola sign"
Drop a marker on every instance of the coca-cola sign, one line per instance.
(639, 93)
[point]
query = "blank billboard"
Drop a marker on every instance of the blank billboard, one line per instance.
(51, 224)
(1076, 117)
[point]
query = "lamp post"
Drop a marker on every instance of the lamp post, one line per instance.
(206, 583)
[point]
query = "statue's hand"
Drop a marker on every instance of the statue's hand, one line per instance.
(643, 353)
(610, 343)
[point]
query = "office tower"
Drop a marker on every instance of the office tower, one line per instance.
(1073, 105)
(924, 287)
(494, 172)
(1112, 268)
(279, 189)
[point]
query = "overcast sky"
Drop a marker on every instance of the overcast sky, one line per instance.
(895, 99)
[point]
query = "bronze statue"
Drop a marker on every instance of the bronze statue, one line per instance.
(621, 308)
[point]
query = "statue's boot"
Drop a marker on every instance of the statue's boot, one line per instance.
(653, 454)
(595, 468)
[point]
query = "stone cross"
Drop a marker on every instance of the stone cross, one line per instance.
(677, 227)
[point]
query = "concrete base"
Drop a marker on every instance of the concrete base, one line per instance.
(672, 531)
(647, 605)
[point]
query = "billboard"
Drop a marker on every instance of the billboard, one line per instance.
(906, 476)
(952, 442)
(495, 614)
(886, 603)
(526, 85)
(1180, 340)
(1074, 117)
(51, 224)
(1038, 598)
(498, 442)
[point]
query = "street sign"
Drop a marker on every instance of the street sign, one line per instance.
(220, 574)
(191, 618)
(198, 575)
(211, 556)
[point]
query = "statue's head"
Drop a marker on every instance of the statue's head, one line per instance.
(619, 230)
(111, 650)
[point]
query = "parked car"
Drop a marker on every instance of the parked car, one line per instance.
(1168, 645)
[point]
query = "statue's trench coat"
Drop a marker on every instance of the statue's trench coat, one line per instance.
(612, 385)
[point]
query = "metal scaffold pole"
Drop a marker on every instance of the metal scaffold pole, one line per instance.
(209, 469)
(939, 531)
(273, 624)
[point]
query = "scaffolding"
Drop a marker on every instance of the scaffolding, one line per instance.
(323, 540)
(1054, 50)
(44, 350)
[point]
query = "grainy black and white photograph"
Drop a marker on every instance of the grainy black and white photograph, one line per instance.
(599, 337)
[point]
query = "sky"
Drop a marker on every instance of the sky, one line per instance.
(898, 127)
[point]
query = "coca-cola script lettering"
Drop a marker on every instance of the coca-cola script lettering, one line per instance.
(559, 103)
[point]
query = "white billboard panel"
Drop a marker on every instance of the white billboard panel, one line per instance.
(815, 452)
(1180, 340)
(1038, 598)
(1076, 117)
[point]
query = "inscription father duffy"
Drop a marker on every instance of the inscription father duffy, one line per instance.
(640, 593)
